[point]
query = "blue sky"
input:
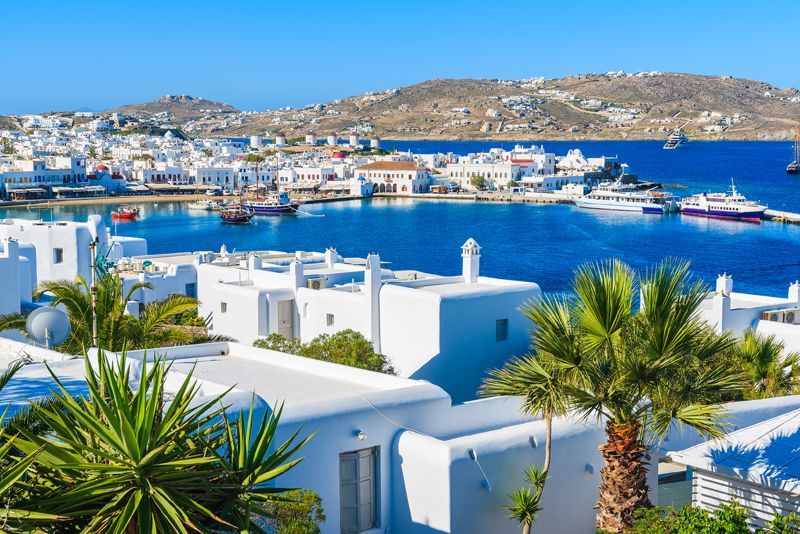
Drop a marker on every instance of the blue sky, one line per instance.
(256, 55)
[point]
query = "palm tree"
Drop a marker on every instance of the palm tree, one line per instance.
(116, 329)
(641, 372)
(134, 458)
(524, 501)
(538, 380)
(769, 372)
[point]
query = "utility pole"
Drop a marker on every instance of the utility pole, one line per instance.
(93, 290)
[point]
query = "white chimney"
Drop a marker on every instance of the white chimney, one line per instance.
(372, 288)
(471, 261)
(296, 274)
(330, 257)
(724, 284)
(794, 291)
(254, 262)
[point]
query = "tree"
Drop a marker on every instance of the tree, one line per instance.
(769, 373)
(642, 373)
(299, 512)
(511, 183)
(92, 153)
(134, 458)
(478, 182)
(346, 347)
(254, 158)
(116, 328)
(524, 502)
(8, 147)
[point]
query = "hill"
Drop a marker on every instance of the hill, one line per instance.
(591, 106)
(181, 107)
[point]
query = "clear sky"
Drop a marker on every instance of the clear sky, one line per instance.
(59, 55)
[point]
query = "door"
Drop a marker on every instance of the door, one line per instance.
(286, 318)
(358, 493)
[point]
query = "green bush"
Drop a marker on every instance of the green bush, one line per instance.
(730, 518)
(346, 347)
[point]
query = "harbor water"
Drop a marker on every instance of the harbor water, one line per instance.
(541, 243)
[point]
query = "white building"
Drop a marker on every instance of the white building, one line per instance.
(36, 177)
(390, 454)
(758, 466)
(423, 323)
(18, 276)
(402, 177)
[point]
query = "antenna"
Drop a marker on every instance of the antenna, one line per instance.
(48, 326)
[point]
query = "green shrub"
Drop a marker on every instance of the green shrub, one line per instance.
(730, 518)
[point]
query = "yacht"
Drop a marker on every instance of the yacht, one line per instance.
(625, 197)
(794, 166)
(205, 205)
(235, 214)
(732, 205)
(676, 139)
(279, 204)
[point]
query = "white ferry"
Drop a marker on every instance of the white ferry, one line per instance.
(732, 205)
(624, 197)
(676, 139)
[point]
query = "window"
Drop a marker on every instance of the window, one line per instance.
(191, 290)
(329, 319)
(223, 307)
(58, 255)
(501, 330)
(358, 490)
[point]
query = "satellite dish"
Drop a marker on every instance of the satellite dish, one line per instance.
(48, 326)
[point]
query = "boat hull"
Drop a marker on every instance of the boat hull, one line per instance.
(124, 216)
(652, 209)
(748, 216)
(278, 209)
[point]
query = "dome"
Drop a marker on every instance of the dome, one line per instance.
(101, 168)
(361, 179)
(337, 155)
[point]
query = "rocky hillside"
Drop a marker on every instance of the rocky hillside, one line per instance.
(181, 107)
(608, 106)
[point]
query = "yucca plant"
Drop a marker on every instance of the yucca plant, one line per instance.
(642, 372)
(13, 466)
(134, 458)
(524, 502)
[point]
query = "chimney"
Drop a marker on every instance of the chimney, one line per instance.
(372, 288)
(724, 285)
(794, 291)
(471, 261)
(254, 262)
(296, 275)
(330, 257)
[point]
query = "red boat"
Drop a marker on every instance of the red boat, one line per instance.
(125, 213)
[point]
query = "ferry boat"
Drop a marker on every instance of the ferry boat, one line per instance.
(235, 215)
(204, 205)
(618, 196)
(794, 166)
(279, 204)
(676, 139)
(732, 205)
(125, 213)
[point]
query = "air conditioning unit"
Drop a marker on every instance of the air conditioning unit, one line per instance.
(775, 316)
(792, 316)
(317, 283)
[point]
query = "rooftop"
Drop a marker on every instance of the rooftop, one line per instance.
(391, 166)
(767, 453)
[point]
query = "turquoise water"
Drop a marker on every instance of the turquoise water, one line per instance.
(542, 243)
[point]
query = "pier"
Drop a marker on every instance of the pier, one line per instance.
(782, 216)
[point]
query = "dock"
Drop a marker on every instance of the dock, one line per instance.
(782, 216)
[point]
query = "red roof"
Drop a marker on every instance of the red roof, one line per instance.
(101, 167)
(338, 155)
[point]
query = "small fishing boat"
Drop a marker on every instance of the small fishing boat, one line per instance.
(732, 205)
(235, 215)
(279, 204)
(203, 205)
(125, 213)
